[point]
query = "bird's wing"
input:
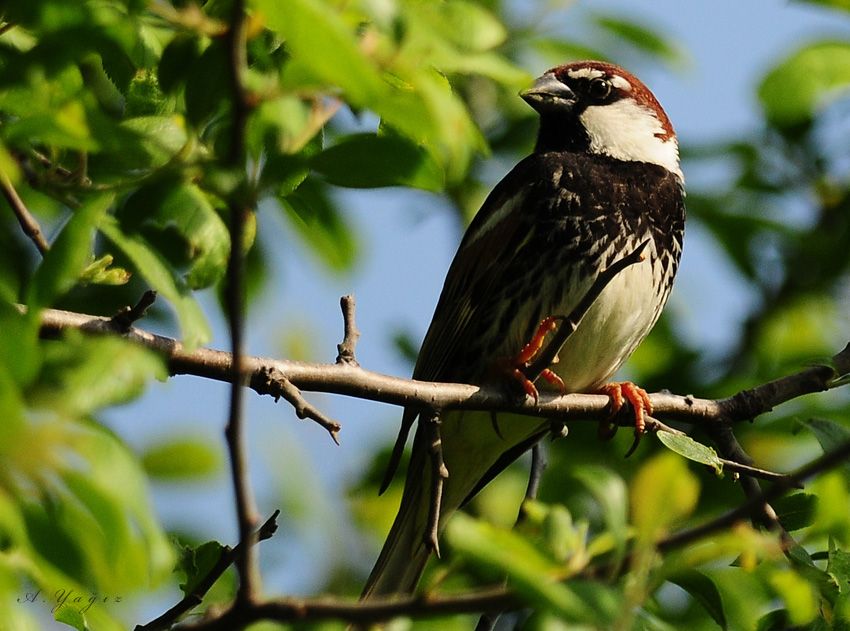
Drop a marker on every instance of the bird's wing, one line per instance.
(485, 257)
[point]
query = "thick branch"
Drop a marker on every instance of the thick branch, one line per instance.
(364, 384)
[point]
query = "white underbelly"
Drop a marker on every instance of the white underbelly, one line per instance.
(620, 317)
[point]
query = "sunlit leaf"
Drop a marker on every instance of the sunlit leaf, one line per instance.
(818, 73)
(799, 596)
(690, 449)
(610, 491)
(196, 562)
(101, 272)
(842, 5)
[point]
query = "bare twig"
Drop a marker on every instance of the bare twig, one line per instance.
(126, 317)
(196, 596)
(439, 474)
(364, 384)
(349, 341)
(246, 564)
(274, 383)
(28, 223)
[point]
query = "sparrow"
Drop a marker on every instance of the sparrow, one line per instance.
(604, 178)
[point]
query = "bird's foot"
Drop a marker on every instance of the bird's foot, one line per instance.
(620, 392)
(528, 353)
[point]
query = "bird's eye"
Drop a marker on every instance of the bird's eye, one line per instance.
(599, 89)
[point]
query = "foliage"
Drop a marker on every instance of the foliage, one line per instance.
(114, 130)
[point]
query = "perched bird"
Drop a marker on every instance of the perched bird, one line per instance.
(603, 178)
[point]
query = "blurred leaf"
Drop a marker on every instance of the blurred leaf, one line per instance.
(611, 493)
(663, 492)
(181, 459)
(796, 511)
(559, 51)
(469, 25)
(196, 562)
(841, 5)
(182, 52)
(71, 616)
(178, 218)
(316, 219)
(369, 161)
(817, 73)
(528, 570)
(705, 592)
(63, 264)
(206, 85)
(159, 276)
(690, 449)
(641, 37)
(830, 435)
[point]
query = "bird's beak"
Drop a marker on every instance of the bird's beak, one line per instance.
(548, 93)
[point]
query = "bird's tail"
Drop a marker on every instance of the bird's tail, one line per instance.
(472, 449)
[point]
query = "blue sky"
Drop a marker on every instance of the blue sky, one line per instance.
(408, 240)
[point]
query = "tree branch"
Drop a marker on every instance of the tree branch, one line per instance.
(357, 382)
(28, 223)
(246, 510)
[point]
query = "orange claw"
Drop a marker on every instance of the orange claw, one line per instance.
(515, 365)
(639, 400)
(530, 350)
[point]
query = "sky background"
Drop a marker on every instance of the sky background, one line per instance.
(407, 241)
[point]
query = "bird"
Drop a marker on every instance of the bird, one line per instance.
(603, 178)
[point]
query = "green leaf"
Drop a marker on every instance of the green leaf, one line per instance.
(792, 92)
(313, 215)
(641, 37)
(796, 511)
(529, 571)
(369, 161)
(690, 449)
(798, 594)
(469, 25)
(181, 459)
(67, 258)
(705, 592)
(71, 616)
(177, 217)
(197, 563)
(182, 52)
(207, 84)
(157, 273)
(101, 272)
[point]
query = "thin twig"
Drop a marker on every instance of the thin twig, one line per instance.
(246, 565)
(349, 341)
(196, 596)
(126, 317)
(28, 223)
(278, 386)
(439, 474)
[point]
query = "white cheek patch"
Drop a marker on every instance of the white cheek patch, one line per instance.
(627, 131)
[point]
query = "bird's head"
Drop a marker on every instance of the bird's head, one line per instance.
(600, 108)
